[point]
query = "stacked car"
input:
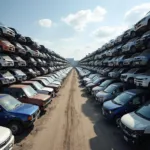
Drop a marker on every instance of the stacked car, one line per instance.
(123, 95)
(30, 77)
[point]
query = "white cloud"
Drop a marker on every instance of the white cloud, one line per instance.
(45, 23)
(46, 43)
(80, 19)
(106, 33)
(136, 13)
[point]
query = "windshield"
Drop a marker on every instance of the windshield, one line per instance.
(96, 81)
(123, 98)
(9, 103)
(45, 81)
(110, 88)
(6, 57)
(38, 85)
(18, 58)
(6, 73)
(132, 70)
(19, 72)
(144, 111)
(29, 91)
(19, 45)
(105, 83)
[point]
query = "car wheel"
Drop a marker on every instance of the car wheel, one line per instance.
(15, 127)
(117, 121)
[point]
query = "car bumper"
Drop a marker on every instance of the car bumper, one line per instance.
(9, 145)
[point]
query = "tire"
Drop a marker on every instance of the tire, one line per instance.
(16, 127)
(117, 121)
(133, 49)
(131, 80)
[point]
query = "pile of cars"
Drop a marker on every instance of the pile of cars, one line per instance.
(117, 75)
(30, 77)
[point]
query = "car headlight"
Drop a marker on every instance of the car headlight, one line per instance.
(110, 112)
(30, 118)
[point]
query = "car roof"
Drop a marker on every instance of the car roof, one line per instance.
(29, 81)
(18, 86)
(118, 84)
(136, 91)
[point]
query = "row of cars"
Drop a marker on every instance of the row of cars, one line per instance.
(21, 104)
(30, 77)
(132, 48)
(128, 106)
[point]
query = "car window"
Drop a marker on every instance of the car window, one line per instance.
(136, 101)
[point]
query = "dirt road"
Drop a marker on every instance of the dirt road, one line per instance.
(72, 122)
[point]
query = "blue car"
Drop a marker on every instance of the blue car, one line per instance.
(126, 102)
(16, 115)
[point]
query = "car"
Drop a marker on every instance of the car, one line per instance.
(6, 46)
(129, 61)
(102, 86)
(26, 94)
(135, 125)
(106, 71)
(39, 62)
(6, 78)
(114, 73)
(29, 72)
(18, 36)
(43, 70)
(143, 59)
(143, 24)
(18, 74)
(31, 62)
(6, 61)
(6, 138)
(119, 61)
(125, 102)
(111, 62)
(40, 88)
(110, 92)
(128, 34)
(143, 80)
(95, 83)
(18, 61)
(19, 49)
(130, 47)
(46, 83)
(131, 74)
(29, 51)
(6, 32)
(105, 61)
(16, 115)
(38, 73)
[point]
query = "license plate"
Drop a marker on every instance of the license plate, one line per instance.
(126, 139)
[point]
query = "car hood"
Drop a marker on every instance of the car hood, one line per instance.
(42, 97)
(141, 76)
(102, 94)
(5, 133)
(135, 122)
(110, 105)
(97, 88)
(53, 85)
(89, 85)
(48, 89)
(27, 109)
(56, 82)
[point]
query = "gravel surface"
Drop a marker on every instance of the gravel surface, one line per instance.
(72, 122)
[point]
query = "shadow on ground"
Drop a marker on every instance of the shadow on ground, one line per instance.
(108, 136)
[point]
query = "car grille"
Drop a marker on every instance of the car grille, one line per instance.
(5, 142)
(126, 129)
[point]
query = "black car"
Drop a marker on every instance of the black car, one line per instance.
(29, 72)
(18, 61)
(31, 62)
(19, 49)
(144, 41)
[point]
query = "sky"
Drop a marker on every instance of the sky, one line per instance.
(72, 28)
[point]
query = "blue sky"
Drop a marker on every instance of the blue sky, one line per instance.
(72, 28)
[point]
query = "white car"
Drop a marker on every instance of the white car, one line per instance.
(136, 125)
(6, 61)
(143, 23)
(6, 139)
